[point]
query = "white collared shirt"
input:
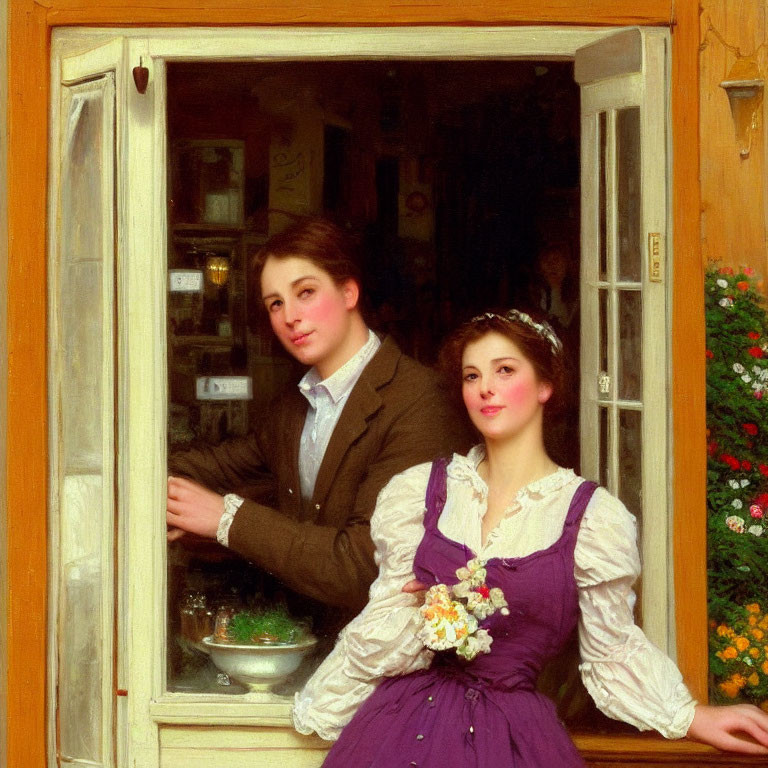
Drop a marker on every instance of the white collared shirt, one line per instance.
(326, 402)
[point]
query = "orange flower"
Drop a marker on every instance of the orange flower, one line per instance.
(753, 608)
(754, 652)
(752, 620)
(742, 285)
(724, 631)
(764, 667)
(731, 690)
(738, 679)
(730, 653)
(742, 643)
(754, 679)
(758, 634)
(763, 624)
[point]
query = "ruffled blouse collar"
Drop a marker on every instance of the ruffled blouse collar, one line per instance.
(464, 469)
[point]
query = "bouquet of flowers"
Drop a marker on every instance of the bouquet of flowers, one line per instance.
(451, 615)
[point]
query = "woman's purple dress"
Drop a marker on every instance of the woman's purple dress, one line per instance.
(485, 713)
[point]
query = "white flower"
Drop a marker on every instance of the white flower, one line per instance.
(734, 484)
(755, 530)
(738, 368)
(735, 523)
(744, 483)
(474, 574)
(475, 644)
(737, 503)
(462, 590)
(726, 302)
(722, 283)
(746, 378)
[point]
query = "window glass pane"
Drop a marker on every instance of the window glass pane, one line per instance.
(628, 192)
(604, 447)
(630, 454)
(602, 195)
(82, 569)
(604, 382)
(630, 345)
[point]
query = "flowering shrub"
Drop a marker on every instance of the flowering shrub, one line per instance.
(737, 478)
(451, 615)
(739, 656)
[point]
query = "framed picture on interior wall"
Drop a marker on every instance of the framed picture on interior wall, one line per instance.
(208, 183)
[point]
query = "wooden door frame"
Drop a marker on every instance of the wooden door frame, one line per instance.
(30, 24)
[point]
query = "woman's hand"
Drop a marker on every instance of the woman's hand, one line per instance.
(416, 588)
(729, 728)
(192, 507)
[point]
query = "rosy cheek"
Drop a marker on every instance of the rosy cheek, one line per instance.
(472, 399)
(274, 321)
(321, 309)
(519, 392)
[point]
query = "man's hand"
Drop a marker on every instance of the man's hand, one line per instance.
(192, 507)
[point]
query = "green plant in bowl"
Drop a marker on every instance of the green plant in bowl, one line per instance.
(268, 626)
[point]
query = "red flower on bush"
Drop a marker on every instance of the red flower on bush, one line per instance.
(746, 465)
(726, 271)
(754, 335)
(731, 461)
(710, 354)
(749, 428)
(712, 449)
(755, 351)
(763, 469)
(762, 499)
(742, 285)
(748, 271)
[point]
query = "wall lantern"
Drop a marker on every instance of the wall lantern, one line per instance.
(744, 86)
(217, 269)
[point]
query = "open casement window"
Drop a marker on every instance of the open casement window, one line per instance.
(109, 355)
(623, 309)
(84, 517)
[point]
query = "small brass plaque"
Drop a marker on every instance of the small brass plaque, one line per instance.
(655, 257)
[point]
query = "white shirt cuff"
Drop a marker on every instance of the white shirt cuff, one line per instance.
(232, 503)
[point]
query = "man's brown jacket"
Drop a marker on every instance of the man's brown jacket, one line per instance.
(395, 417)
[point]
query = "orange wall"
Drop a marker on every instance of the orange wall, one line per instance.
(733, 190)
(3, 371)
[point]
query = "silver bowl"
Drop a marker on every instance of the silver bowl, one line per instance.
(258, 667)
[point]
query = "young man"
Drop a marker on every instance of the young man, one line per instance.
(361, 414)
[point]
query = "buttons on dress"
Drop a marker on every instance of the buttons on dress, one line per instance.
(419, 737)
(317, 506)
(290, 491)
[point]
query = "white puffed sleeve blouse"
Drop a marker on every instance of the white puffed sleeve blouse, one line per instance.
(627, 676)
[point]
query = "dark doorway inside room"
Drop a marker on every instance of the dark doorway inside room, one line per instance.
(459, 178)
(460, 181)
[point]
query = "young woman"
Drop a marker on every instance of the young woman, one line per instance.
(362, 413)
(562, 551)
